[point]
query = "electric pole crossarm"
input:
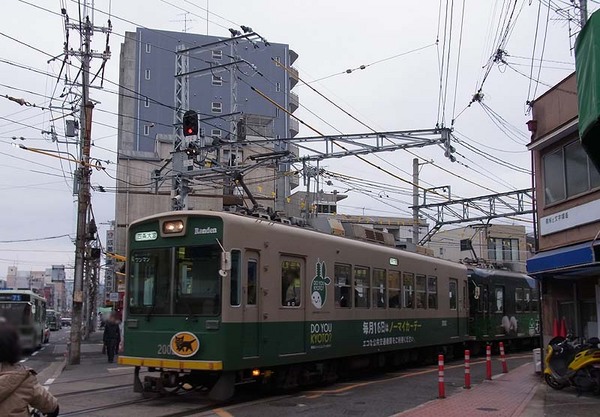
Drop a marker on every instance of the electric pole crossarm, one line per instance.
(361, 150)
(517, 194)
(487, 207)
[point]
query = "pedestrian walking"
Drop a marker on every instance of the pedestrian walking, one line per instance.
(112, 337)
(19, 387)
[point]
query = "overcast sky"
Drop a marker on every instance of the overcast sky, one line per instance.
(398, 93)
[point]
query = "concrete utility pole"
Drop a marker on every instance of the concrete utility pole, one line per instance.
(86, 29)
(415, 182)
(583, 13)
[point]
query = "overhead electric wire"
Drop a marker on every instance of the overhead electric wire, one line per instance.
(35, 239)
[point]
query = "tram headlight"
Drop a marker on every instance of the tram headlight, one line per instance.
(172, 226)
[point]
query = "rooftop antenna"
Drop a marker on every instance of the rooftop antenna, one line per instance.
(185, 21)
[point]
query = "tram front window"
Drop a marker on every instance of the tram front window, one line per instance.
(149, 281)
(194, 290)
(197, 280)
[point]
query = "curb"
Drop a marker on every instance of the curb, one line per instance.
(56, 373)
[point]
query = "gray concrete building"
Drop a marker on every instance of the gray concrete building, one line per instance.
(146, 117)
(492, 246)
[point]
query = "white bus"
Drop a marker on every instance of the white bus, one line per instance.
(26, 311)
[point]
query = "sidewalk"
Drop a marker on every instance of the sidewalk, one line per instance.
(92, 373)
(519, 393)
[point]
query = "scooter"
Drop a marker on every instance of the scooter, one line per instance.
(572, 364)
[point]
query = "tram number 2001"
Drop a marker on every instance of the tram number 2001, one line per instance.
(164, 350)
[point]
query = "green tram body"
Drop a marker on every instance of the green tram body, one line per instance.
(504, 305)
(232, 298)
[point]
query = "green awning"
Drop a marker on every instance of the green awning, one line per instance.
(587, 64)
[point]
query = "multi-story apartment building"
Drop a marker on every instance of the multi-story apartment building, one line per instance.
(567, 197)
(216, 90)
(495, 246)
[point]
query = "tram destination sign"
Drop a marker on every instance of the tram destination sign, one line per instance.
(145, 236)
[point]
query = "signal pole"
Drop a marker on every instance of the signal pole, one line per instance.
(415, 181)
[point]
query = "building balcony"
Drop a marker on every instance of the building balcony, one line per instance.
(294, 127)
(293, 56)
(293, 77)
(294, 102)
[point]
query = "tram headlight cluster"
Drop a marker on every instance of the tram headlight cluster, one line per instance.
(173, 226)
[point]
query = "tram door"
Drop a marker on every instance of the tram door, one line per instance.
(251, 321)
(290, 326)
(454, 305)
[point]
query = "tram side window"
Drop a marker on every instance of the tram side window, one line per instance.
(485, 298)
(534, 300)
(499, 307)
(421, 291)
(361, 286)
(252, 280)
(519, 300)
(408, 290)
(452, 294)
(527, 299)
(291, 284)
(343, 287)
(235, 296)
(378, 289)
(394, 291)
(432, 299)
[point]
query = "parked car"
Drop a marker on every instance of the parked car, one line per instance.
(65, 321)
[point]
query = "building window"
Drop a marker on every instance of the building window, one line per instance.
(393, 289)
(146, 130)
(277, 87)
(503, 249)
(568, 172)
(148, 48)
(215, 133)
(217, 54)
(361, 286)
(276, 111)
(217, 80)
(277, 59)
(146, 102)
(216, 107)
(342, 276)
(291, 284)
(147, 74)
(378, 289)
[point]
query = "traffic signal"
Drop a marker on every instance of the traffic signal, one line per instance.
(190, 123)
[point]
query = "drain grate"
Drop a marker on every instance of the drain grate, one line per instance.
(486, 409)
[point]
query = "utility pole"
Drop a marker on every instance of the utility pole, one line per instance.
(583, 13)
(86, 29)
(415, 182)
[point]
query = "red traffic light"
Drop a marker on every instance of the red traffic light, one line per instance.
(190, 123)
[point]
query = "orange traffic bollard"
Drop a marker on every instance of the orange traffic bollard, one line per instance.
(488, 362)
(467, 369)
(503, 359)
(441, 388)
